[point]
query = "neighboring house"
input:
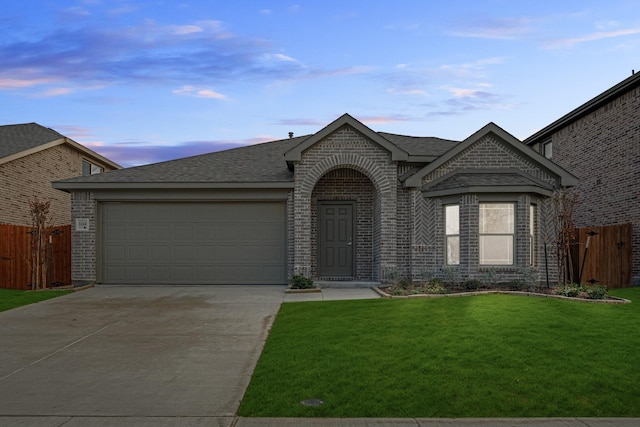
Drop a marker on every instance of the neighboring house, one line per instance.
(31, 156)
(345, 203)
(599, 142)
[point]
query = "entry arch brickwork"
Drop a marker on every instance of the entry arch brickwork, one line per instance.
(347, 148)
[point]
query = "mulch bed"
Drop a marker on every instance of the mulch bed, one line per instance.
(390, 291)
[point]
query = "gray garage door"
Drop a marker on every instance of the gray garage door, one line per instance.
(193, 243)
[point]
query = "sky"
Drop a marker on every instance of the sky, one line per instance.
(146, 81)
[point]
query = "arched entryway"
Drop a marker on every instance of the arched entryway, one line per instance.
(343, 204)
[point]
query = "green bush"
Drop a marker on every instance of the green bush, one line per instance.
(435, 286)
(299, 281)
(597, 291)
(471, 284)
(519, 284)
(404, 284)
(451, 275)
(580, 291)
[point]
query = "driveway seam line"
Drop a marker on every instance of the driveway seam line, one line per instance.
(53, 353)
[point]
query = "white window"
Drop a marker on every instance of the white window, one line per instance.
(452, 234)
(496, 233)
(532, 234)
(89, 168)
(547, 149)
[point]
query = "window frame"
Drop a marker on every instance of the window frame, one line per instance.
(511, 234)
(533, 216)
(448, 235)
(93, 168)
(547, 149)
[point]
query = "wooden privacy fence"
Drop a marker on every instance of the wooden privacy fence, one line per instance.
(608, 258)
(15, 256)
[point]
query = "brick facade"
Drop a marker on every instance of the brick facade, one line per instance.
(489, 153)
(399, 229)
(23, 178)
(602, 149)
(347, 149)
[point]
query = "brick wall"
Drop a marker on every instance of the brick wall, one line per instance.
(602, 149)
(29, 176)
(83, 243)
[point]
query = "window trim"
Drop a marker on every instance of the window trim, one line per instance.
(94, 169)
(533, 217)
(512, 234)
(447, 236)
(544, 149)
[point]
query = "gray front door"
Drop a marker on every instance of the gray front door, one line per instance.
(335, 239)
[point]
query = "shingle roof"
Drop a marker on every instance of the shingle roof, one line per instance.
(421, 146)
(498, 180)
(261, 163)
(17, 138)
(254, 163)
(482, 179)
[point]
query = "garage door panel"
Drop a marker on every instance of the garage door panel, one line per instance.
(158, 273)
(194, 243)
(138, 232)
(159, 254)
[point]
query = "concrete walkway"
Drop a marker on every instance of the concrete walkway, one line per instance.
(115, 356)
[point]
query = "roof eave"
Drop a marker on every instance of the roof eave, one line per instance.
(604, 98)
(89, 186)
(477, 189)
(92, 154)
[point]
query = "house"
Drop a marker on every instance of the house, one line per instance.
(346, 203)
(599, 142)
(31, 156)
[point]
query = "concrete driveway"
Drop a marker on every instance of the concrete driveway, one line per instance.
(120, 352)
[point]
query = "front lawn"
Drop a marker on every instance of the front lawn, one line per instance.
(12, 298)
(479, 356)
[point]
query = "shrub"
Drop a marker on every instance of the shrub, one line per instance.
(489, 277)
(597, 291)
(435, 286)
(404, 284)
(519, 284)
(579, 291)
(529, 277)
(451, 275)
(471, 284)
(299, 281)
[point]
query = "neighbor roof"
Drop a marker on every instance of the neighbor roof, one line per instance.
(588, 107)
(24, 139)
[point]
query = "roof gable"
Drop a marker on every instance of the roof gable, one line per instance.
(588, 107)
(17, 141)
(486, 181)
(512, 142)
(295, 153)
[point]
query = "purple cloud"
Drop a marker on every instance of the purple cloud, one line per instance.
(198, 53)
(129, 154)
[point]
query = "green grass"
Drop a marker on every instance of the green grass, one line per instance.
(12, 298)
(481, 356)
